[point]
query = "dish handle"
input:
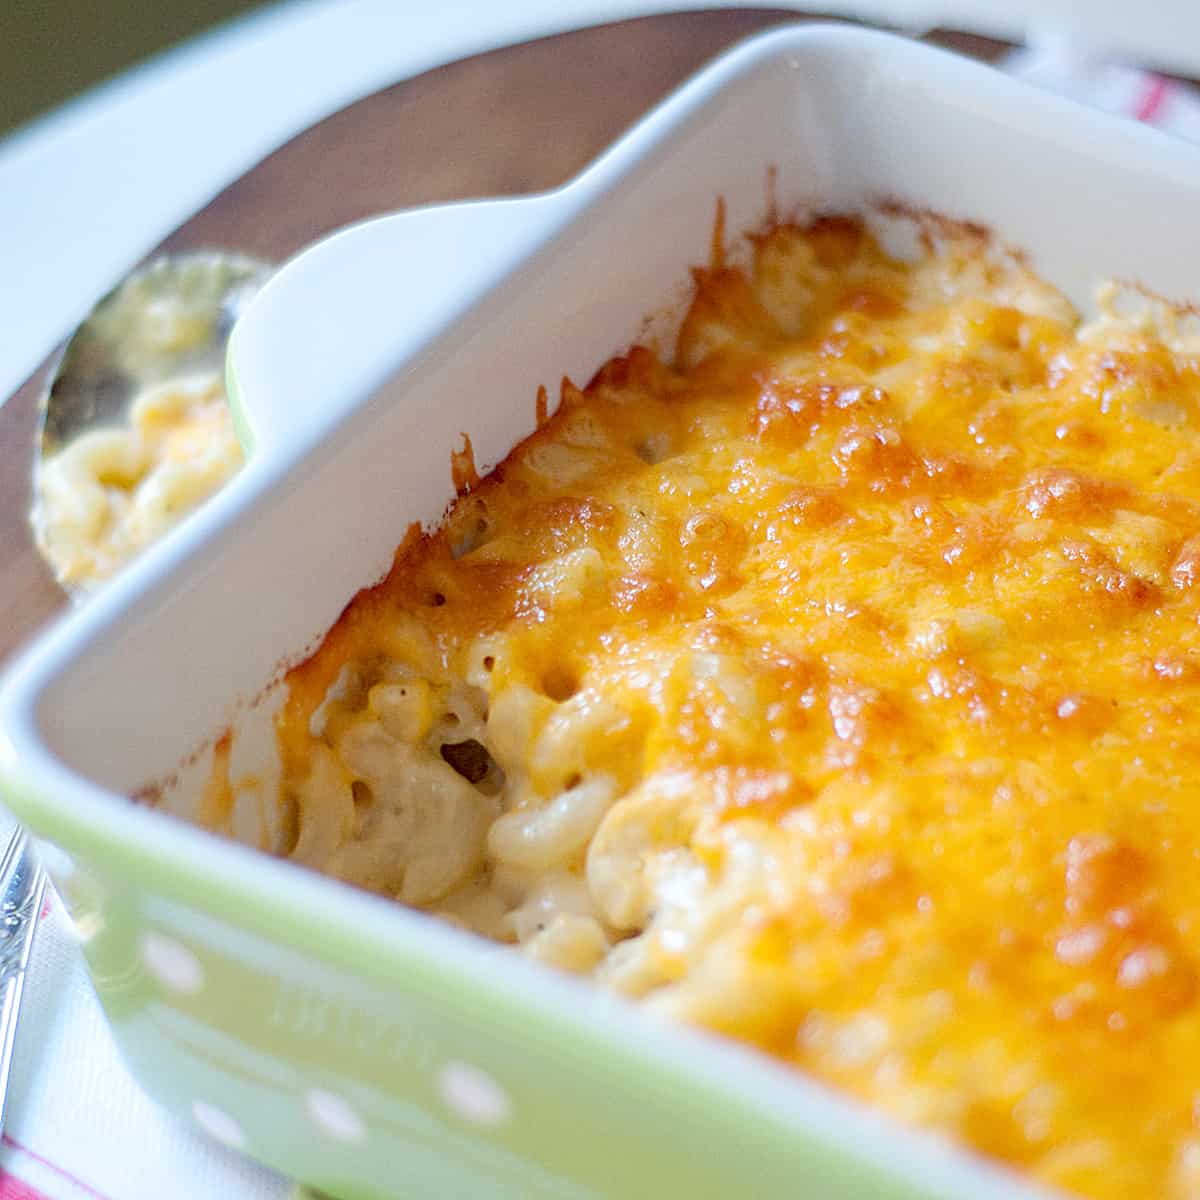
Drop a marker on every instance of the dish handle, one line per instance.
(339, 318)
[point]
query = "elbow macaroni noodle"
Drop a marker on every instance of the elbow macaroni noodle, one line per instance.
(830, 685)
(110, 493)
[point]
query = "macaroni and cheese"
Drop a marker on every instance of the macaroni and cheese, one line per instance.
(103, 495)
(109, 493)
(831, 684)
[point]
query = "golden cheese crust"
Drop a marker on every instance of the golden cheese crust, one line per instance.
(833, 685)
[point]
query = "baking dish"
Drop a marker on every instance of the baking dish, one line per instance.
(351, 1043)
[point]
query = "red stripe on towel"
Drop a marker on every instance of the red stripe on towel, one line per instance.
(1150, 99)
(9, 1140)
(12, 1188)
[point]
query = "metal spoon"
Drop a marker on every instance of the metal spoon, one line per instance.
(168, 319)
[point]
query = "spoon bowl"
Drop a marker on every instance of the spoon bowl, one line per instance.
(172, 316)
(168, 321)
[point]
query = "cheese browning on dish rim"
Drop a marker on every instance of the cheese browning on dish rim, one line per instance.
(832, 686)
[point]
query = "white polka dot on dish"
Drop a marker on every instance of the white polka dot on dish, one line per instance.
(171, 963)
(334, 1116)
(87, 925)
(473, 1094)
(218, 1124)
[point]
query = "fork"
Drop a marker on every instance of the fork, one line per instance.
(22, 887)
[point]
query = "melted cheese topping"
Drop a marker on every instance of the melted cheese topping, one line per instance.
(832, 686)
(110, 493)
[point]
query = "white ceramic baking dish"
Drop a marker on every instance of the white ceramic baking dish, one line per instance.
(359, 1046)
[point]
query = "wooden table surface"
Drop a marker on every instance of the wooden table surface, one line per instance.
(512, 121)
